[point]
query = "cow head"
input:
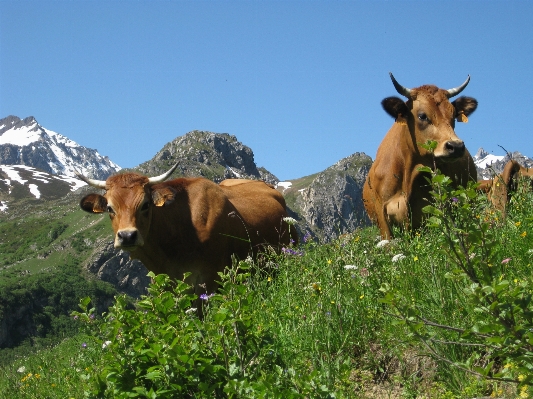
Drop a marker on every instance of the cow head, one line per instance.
(129, 200)
(429, 115)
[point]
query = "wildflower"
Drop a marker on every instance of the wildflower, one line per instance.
(350, 267)
(382, 243)
(290, 221)
(269, 279)
(21, 369)
(415, 258)
(205, 297)
(329, 261)
(290, 251)
(356, 239)
(328, 314)
(76, 317)
(84, 345)
(106, 344)
(91, 316)
(455, 199)
(398, 257)
(364, 272)
(523, 234)
(306, 237)
(316, 287)
(362, 296)
(517, 224)
(506, 260)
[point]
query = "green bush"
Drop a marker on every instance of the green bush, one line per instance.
(162, 349)
(488, 327)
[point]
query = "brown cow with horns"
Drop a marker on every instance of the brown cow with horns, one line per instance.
(395, 191)
(190, 224)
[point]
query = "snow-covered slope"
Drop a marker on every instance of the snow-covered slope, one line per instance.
(24, 182)
(489, 164)
(25, 142)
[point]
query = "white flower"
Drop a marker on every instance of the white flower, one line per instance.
(382, 243)
(21, 369)
(191, 310)
(289, 220)
(105, 344)
(398, 257)
(350, 267)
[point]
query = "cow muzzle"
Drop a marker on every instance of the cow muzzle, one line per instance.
(128, 239)
(454, 149)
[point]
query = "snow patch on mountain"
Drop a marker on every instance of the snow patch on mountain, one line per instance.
(483, 159)
(34, 182)
(25, 142)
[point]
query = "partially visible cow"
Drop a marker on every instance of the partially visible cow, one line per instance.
(395, 191)
(499, 189)
(190, 224)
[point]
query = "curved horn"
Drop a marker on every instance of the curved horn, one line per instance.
(90, 182)
(453, 92)
(164, 176)
(404, 91)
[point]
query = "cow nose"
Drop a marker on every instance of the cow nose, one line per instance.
(455, 148)
(127, 237)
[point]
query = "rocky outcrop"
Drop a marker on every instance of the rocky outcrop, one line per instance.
(115, 266)
(215, 156)
(330, 203)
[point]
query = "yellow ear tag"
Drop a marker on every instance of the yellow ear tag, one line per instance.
(462, 118)
(401, 120)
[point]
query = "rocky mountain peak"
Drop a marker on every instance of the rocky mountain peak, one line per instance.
(26, 142)
(215, 156)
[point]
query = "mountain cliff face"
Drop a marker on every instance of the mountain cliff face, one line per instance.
(25, 142)
(215, 156)
(330, 203)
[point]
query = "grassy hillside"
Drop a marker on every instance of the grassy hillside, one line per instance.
(356, 318)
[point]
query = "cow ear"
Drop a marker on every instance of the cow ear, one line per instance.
(93, 203)
(163, 196)
(464, 106)
(395, 107)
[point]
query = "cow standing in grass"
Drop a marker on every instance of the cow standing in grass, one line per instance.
(190, 224)
(395, 191)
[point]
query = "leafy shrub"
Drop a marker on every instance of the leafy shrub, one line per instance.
(492, 334)
(163, 349)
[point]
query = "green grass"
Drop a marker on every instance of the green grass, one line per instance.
(321, 311)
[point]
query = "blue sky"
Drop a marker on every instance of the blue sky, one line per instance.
(299, 82)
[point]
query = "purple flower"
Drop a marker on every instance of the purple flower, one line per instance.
(506, 260)
(290, 251)
(205, 297)
(84, 345)
(91, 316)
(306, 237)
(455, 199)
(76, 317)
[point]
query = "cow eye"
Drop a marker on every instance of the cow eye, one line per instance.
(145, 206)
(423, 117)
(110, 210)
